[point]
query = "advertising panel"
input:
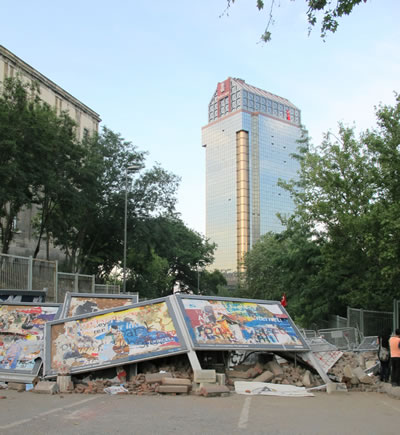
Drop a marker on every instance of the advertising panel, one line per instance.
(76, 304)
(228, 323)
(22, 335)
(113, 337)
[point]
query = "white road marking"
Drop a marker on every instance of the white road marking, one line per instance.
(42, 414)
(244, 415)
(390, 406)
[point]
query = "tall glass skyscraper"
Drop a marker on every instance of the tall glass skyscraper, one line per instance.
(249, 139)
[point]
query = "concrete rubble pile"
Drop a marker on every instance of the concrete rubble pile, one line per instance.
(177, 377)
(351, 369)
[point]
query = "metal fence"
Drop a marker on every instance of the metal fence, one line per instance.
(396, 314)
(368, 322)
(342, 338)
(27, 273)
(73, 282)
(107, 288)
(368, 344)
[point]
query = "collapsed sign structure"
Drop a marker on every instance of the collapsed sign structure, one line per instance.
(129, 332)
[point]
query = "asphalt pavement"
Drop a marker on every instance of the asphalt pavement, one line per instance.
(75, 414)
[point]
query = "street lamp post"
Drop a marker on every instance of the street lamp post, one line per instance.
(129, 169)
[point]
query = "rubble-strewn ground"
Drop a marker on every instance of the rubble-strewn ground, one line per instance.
(352, 369)
(277, 371)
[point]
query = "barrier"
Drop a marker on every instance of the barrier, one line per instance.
(342, 338)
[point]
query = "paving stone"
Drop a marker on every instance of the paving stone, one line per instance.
(209, 390)
(221, 378)
(264, 377)
(204, 376)
(152, 378)
(173, 389)
(16, 386)
(46, 387)
(176, 381)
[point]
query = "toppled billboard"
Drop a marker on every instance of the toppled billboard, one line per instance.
(76, 304)
(229, 323)
(113, 337)
(22, 336)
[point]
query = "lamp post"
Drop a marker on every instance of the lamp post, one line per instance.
(128, 169)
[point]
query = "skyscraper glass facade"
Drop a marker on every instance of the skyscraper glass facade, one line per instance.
(249, 140)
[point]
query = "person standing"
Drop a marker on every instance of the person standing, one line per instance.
(384, 355)
(394, 343)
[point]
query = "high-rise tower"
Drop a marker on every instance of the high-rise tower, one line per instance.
(249, 139)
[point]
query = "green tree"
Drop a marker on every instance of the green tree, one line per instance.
(213, 283)
(330, 11)
(341, 246)
(38, 150)
(165, 252)
(60, 157)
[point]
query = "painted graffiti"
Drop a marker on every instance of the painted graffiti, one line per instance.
(21, 335)
(239, 323)
(121, 334)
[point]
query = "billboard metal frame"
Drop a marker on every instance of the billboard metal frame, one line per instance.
(69, 296)
(50, 371)
(303, 347)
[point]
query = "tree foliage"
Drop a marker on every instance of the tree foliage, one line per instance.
(341, 247)
(165, 253)
(80, 190)
(328, 12)
(40, 157)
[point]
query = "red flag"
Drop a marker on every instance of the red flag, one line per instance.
(283, 300)
(288, 115)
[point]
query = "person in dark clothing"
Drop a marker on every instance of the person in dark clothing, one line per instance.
(384, 356)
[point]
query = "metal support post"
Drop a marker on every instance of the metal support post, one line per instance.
(30, 273)
(56, 283)
(194, 361)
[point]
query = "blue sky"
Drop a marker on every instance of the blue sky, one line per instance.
(150, 68)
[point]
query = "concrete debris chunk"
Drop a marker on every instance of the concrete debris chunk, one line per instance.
(152, 378)
(307, 379)
(210, 390)
(264, 377)
(362, 377)
(333, 387)
(16, 386)
(46, 387)
(176, 381)
(205, 376)
(275, 368)
(178, 389)
(221, 378)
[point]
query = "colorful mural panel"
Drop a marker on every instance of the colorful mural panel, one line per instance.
(76, 304)
(239, 323)
(22, 335)
(112, 337)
